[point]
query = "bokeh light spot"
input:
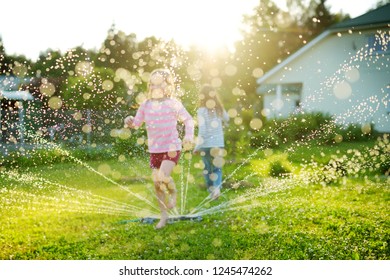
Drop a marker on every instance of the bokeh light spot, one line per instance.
(77, 116)
(108, 85)
(232, 113)
(210, 104)
(257, 73)
(352, 75)
(342, 90)
(87, 128)
(55, 103)
(47, 89)
(256, 124)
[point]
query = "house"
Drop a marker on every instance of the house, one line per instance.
(12, 113)
(344, 72)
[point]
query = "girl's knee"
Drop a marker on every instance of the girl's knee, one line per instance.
(164, 184)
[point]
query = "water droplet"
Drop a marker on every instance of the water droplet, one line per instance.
(84, 68)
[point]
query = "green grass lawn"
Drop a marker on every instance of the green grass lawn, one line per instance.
(90, 210)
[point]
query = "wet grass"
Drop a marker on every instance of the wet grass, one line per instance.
(65, 211)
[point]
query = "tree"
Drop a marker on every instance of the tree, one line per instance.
(93, 88)
(117, 50)
(17, 65)
(317, 17)
(4, 61)
(271, 34)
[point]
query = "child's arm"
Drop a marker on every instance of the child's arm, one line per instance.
(225, 117)
(128, 122)
(135, 122)
(186, 118)
(189, 126)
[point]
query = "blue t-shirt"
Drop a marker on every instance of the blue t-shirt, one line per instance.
(210, 128)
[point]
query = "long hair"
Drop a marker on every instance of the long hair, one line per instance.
(159, 77)
(209, 98)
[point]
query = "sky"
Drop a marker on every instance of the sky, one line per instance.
(29, 27)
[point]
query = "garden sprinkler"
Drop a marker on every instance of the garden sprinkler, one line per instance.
(151, 220)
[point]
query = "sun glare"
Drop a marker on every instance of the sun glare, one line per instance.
(211, 25)
(214, 24)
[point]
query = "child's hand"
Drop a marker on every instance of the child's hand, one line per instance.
(188, 145)
(129, 121)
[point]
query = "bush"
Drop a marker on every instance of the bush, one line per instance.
(265, 138)
(278, 169)
(94, 153)
(35, 157)
(51, 155)
(353, 132)
(380, 155)
(317, 127)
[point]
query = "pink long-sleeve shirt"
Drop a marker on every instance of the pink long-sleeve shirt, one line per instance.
(161, 117)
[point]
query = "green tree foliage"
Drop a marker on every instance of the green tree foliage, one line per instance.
(316, 17)
(93, 88)
(4, 60)
(117, 50)
(17, 65)
(271, 34)
(52, 64)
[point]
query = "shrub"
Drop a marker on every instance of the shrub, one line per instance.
(353, 132)
(317, 127)
(34, 157)
(380, 155)
(94, 153)
(278, 169)
(265, 138)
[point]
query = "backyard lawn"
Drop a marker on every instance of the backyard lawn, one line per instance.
(296, 202)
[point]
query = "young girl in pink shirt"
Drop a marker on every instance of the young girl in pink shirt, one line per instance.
(160, 112)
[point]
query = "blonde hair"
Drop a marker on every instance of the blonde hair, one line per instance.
(157, 78)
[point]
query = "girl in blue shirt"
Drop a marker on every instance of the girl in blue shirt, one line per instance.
(210, 143)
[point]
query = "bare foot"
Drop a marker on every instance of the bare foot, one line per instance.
(162, 223)
(216, 193)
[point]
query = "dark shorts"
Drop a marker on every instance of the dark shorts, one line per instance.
(157, 158)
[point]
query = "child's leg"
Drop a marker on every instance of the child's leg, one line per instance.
(218, 172)
(217, 183)
(163, 183)
(160, 193)
(207, 171)
(166, 179)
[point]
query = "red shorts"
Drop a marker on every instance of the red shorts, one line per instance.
(157, 158)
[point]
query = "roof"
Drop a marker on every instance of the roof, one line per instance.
(16, 95)
(12, 83)
(371, 19)
(380, 16)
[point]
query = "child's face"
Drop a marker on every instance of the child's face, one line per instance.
(158, 85)
(157, 79)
